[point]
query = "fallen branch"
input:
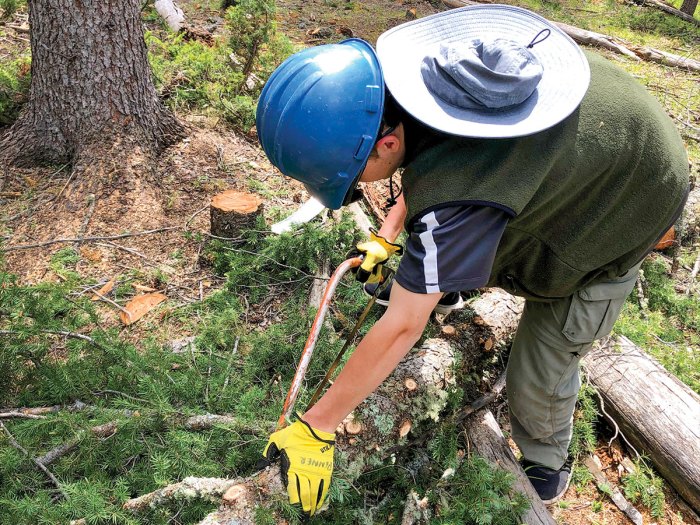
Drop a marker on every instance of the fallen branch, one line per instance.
(85, 239)
(64, 333)
(39, 465)
(484, 400)
(416, 510)
(171, 13)
(693, 274)
(14, 414)
(101, 431)
(669, 9)
(616, 45)
(188, 489)
(486, 439)
(612, 492)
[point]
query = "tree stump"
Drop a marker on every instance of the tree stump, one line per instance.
(233, 211)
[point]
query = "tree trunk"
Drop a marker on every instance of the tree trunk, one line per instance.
(91, 82)
(689, 6)
(656, 412)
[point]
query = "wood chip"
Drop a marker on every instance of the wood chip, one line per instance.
(104, 290)
(488, 344)
(140, 306)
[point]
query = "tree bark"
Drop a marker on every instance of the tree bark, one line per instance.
(655, 411)
(91, 83)
(689, 6)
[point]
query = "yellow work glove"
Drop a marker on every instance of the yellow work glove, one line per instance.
(306, 461)
(376, 251)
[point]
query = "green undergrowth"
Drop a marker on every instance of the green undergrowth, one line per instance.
(14, 86)
(222, 78)
(667, 327)
(56, 351)
(10, 7)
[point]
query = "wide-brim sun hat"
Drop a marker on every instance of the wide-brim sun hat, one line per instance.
(565, 73)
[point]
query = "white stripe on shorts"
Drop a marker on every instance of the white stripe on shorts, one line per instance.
(430, 267)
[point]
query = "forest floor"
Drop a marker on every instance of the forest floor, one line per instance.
(167, 250)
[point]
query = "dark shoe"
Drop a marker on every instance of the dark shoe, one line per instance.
(450, 301)
(549, 484)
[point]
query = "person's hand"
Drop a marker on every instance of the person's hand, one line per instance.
(376, 252)
(306, 463)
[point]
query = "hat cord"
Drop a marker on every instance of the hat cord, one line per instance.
(535, 41)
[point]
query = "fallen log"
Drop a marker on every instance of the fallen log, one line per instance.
(616, 45)
(657, 413)
(171, 14)
(487, 440)
(415, 393)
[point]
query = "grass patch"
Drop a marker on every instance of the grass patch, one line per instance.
(670, 330)
(14, 86)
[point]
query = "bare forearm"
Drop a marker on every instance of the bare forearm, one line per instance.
(372, 362)
(393, 224)
(375, 357)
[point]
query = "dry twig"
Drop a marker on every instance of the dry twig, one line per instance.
(39, 465)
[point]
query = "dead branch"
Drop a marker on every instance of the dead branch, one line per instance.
(612, 492)
(693, 274)
(64, 333)
(616, 45)
(101, 431)
(416, 511)
(86, 239)
(669, 9)
(39, 465)
(188, 489)
(484, 400)
(15, 414)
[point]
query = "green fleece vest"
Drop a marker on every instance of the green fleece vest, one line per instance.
(588, 197)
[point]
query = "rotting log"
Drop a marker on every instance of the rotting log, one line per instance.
(657, 413)
(487, 440)
(233, 211)
(616, 45)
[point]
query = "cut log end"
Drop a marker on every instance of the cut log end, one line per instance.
(233, 211)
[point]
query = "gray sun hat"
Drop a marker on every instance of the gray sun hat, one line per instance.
(488, 71)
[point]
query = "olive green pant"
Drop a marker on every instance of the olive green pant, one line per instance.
(543, 377)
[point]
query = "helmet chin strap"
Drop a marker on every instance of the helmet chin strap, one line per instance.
(391, 201)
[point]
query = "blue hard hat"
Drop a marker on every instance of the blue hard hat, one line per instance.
(319, 115)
